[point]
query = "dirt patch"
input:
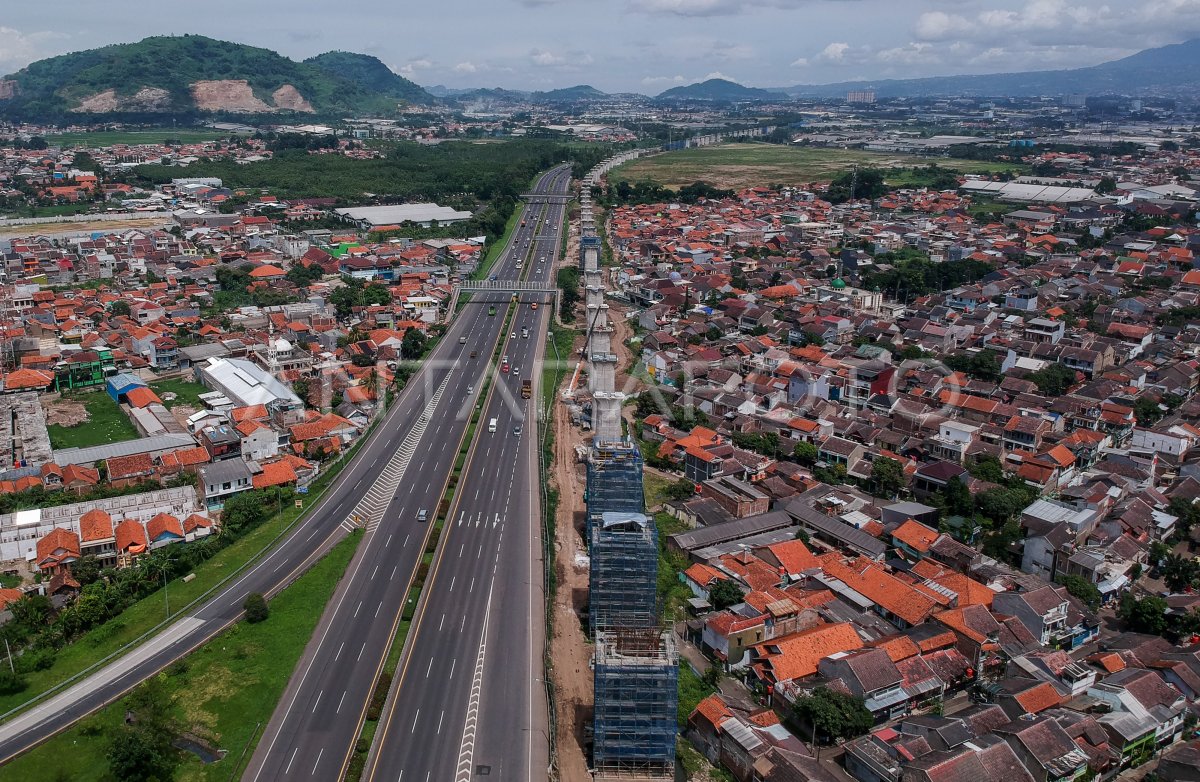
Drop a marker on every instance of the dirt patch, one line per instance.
(64, 412)
(98, 103)
(145, 99)
(181, 413)
(288, 97)
(66, 228)
(227, 95)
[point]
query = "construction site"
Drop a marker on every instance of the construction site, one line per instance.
(624, 726)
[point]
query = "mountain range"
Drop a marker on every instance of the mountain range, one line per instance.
(193, 74)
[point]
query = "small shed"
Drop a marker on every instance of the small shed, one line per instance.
(121, 384)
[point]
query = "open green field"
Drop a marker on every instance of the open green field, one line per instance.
(106, 423)
(106, 138)
(186, 393)
(222, 692)
(735, 166)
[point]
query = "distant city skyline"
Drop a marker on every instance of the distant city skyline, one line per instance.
(642, 46)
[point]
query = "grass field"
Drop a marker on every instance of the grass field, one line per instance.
(750, 165)
(222, 692)
(186, 393)
(106, 138)
(106, 424)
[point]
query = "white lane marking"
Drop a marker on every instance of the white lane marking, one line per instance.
(320, 752)
(317, 702)
(440, 717)
(429, 669)
(416, 717)
(377, 608)
(290, 761)
(360, 651)
(339, 708)
(452, 580)
(466, 752)
(452, 664)
(393, 576)
(358, 608)
(388, 542)
(373, 572)
(339, 651)
(441, 623)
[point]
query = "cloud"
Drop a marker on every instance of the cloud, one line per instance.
(940, 26)
(911, 54)
(412, 66)
(545, 59)
(711, 7)
(834, 52)
(659, 81)
(18, 49)
(716, 75)
(466, 67)
(800, 62)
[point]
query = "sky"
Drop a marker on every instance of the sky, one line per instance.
(642, 46)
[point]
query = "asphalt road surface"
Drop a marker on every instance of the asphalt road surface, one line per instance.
(318, 721)
(379, 489)
(469, 697)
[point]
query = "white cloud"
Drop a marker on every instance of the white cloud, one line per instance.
(911, 54)
(545, 59)
(18, 49)
(800, 62)
(834, 52)
(466, 67)
(412, 66)
(716, 75)
(940, 26)
(711, 7)
(659, 81)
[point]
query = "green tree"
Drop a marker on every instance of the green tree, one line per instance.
(860, 183)
(86, 569)
(986, 467)
(1179, 572)
(805, 452)
(1188, 513)
(11, 683)
(833, 715)
(243, 511)
(725, 593)
(1001, 504)
(887, 477)
(119, 307)
(1053, 379)
(1084, 590)
(256, 608)
(1147, 615)
(682, 489)
(412, 346)
(135, 755)
(1147, 411)
(958, 497)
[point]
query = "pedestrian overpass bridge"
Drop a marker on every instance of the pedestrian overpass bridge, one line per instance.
(508, 288)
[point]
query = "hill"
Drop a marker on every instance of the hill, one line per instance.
(1166, 70)
(580, 92)
(370, 74)
(186, 74)
(718, 90)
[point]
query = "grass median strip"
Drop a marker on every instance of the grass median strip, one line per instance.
(219, 696)
(375, 710)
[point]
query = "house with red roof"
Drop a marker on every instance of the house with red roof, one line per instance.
(131, 541)
(57, 550)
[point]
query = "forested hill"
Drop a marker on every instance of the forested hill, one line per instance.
(167, 75)
(370, 74)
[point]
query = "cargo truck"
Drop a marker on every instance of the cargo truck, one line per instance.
(526, 388)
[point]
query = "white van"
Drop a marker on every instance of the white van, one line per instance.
(492, 426)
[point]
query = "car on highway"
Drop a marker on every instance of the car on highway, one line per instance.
(524, 333)
(470, 390)
(517, 431)
(462, 340)
(492, 425)
(516, 370)
(422, 515)
(491, 310)
(533, 306)
(513, 335)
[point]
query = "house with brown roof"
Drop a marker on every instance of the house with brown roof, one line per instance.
(129, 470)
(163, 530)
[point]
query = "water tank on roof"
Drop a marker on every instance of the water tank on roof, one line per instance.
(675, 276)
